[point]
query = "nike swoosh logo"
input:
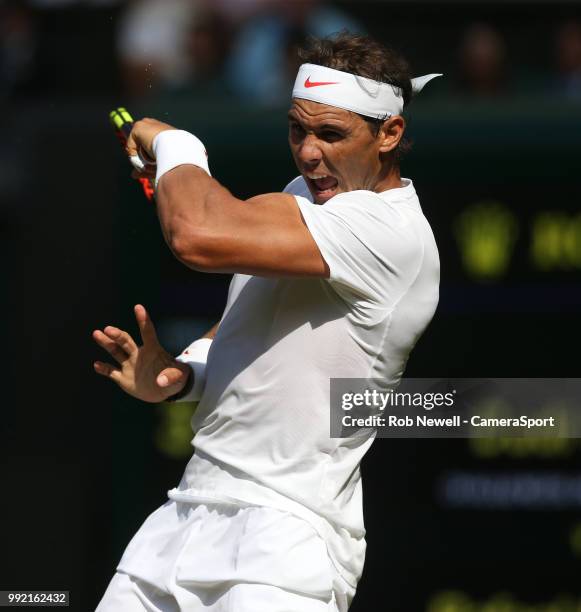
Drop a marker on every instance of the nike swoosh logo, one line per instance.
(309, 83)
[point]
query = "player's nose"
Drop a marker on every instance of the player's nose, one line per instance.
(310, 151)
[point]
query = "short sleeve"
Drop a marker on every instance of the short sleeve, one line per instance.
(372, 247)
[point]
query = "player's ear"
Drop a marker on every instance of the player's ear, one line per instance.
(391, 133)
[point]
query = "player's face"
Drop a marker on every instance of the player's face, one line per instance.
(334, 149)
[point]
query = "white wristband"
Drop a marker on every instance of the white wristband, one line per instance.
(196, 356)
(173, 148)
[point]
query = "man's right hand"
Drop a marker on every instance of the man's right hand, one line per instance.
(147, 372)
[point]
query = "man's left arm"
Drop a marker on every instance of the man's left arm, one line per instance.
(210, 230)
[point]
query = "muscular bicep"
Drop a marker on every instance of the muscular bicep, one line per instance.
(263, 236)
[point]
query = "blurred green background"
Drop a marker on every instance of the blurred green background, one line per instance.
(496, 165)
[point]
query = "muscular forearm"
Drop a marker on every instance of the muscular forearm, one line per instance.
(192, 210)
(183, 199)
(187, 196)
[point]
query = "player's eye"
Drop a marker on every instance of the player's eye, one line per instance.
(331, 135)
(296, 128)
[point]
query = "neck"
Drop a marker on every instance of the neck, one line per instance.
(390, 179)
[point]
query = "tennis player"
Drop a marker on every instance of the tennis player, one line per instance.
(335, 277)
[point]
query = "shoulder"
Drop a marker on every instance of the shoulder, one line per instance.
(389, 226)
(371, 209)
(298, 187)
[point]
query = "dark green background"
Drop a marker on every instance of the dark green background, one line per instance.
(82, 466)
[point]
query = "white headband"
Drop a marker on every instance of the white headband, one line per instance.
(351, 92)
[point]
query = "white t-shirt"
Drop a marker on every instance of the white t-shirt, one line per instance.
(262, 426)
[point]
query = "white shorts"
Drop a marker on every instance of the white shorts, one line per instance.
(224, 558)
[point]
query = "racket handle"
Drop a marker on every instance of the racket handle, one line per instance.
(123, 122)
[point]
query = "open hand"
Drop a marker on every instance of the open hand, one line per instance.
(147, 372)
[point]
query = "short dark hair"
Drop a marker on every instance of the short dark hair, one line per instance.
(366, 57)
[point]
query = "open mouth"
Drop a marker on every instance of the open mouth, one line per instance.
(323, 186)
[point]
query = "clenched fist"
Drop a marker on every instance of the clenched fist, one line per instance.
(140, 140)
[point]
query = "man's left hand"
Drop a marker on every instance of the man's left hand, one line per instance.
(140, 141)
